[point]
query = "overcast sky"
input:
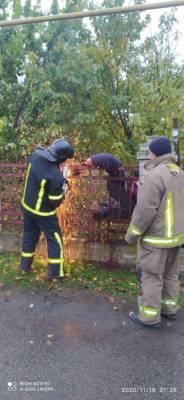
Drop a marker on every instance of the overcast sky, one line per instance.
(153, 26)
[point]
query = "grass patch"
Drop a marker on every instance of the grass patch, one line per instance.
(101, 278)
(10, 276)
(79, 275)
(95, 277)
(181, 297)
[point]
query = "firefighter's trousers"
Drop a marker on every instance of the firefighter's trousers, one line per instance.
(33, 226)
(158, 270)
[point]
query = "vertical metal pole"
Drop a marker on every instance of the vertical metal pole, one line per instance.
(175, 134)
(0, 215)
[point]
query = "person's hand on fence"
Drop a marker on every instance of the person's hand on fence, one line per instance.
(88, 162)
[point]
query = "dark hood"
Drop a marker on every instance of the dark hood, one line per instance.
(106, 161)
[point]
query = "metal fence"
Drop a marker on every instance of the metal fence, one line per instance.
(80, 229)
(11, 189)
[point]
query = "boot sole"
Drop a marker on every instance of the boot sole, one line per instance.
(170, 317)
(137, 321)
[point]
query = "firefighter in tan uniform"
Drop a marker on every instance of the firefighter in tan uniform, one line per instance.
(158, 225)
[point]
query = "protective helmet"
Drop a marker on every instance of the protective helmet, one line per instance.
(59, 151)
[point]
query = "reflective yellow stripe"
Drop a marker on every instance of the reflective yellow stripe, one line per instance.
(156, 240)
(174, 168)
(27, 254)
(40, 195)
(42, 213)
(25, 186)
(133, 230)
(57, 236)
(170, 302)
(59, 196)
(169, 215)
(55, 260)
(174, 241)
(148, 311)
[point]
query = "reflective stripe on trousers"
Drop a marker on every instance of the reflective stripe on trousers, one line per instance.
(27, 255)
(60, 260)
(170, 301)
(148, 311)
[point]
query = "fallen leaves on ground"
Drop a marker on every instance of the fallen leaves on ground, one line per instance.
(111, 299)
(14, 266)
(7, 294)
(19, 278)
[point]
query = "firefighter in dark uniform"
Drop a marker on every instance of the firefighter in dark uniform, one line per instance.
(44, 191)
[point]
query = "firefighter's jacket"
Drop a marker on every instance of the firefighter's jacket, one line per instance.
(158, 218)
(43, 190)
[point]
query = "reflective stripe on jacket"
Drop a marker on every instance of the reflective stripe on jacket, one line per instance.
(43, 190)
(158, 218)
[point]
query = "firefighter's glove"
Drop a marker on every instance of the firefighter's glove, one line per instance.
(66, 186)
(131, 240)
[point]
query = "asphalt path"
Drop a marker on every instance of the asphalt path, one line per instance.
(81, 345)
